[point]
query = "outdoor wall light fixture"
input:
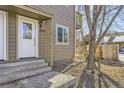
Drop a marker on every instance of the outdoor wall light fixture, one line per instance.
(41, 26)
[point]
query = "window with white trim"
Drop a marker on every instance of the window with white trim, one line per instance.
(62, 34)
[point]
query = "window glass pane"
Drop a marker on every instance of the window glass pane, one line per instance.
(60, 34)
(65, 35)
(27, 30)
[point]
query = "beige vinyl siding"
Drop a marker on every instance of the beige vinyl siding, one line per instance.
(63, 15)
(12, 35)
(12, 38)
(48, 41)
(42, 44)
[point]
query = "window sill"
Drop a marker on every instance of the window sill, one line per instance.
(63, 44)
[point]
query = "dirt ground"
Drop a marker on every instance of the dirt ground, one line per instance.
(114, 73)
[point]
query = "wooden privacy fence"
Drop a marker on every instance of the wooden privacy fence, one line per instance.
(108, 52)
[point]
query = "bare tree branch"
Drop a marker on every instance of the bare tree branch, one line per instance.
(103, 19)
(115, 8)
(87, 12)
(96, 17)
(110, 23)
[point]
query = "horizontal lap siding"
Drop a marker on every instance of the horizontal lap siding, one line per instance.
(12, 35)
(41, 44)
(12, 40)
(48, 43)
(63, 15)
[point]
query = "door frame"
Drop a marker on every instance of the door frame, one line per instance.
(19, 17)
(5, 34)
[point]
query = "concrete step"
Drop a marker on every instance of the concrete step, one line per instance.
(60, 80)
(22, 68)
(13, 64)
(15, 76)
(47, 80)
(33, 74)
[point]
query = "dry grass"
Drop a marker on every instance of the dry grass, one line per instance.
(116, 73)
(76, 70)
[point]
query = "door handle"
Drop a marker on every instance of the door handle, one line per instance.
(34, 41)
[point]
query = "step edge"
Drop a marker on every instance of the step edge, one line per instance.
(44, 70)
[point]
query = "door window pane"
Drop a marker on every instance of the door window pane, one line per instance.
(27, 30)
(60, 35)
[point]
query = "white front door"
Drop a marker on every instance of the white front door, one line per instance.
(2, 35)
(27, 37)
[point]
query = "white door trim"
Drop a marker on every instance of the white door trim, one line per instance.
(5, 35)
(19, 17)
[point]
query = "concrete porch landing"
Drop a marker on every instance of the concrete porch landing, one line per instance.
(33, 74)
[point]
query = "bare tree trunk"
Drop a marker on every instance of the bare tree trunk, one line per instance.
(91, 57)
(90, 66)
(93, 19)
